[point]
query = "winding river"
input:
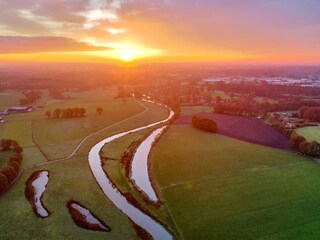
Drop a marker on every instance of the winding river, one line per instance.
(156, 230)
(139, 167)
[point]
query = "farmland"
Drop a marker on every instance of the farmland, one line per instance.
(220, 188)
(246, 176)
(243, 128)
(72, 178)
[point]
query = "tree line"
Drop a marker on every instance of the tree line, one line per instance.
(204, 124)
(66, 113)
(263, 88)
(308, 148)
(310, 113)
(247, 107)
(30, 97)
(9, 172)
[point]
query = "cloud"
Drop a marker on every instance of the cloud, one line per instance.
(115, 31)
(180, 26)
(22, 44)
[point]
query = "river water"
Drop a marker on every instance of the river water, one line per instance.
(156, 230)
(139, 167)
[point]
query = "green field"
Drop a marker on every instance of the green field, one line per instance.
(221, 94)
(9, 98)
(72, 178)
(188, 110)
(220, 188)
(310, 133)
(58, 137)
(214, 187)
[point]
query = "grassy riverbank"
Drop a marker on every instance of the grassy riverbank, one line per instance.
(116, 171)
(220, 188)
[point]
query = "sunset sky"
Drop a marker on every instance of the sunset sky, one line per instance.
(262, 31)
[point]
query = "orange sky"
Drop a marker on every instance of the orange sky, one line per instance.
(255, 31)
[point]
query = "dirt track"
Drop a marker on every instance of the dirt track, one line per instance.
(244, 128)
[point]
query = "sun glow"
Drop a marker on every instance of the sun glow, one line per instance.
(128, 55)
(128, 52)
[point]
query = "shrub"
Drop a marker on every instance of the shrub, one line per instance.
(18, 156)
(10, 172)
(204, 124)
(16, 165)
(17, 149)
(296, 139)
(4, 183)
(310, 148)
(15, 158)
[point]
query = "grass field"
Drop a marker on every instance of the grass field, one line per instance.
(9, 98)
(221, 94)
(20, 131)
(70, 179)
(310, 133)
(188, 110)
(221, 188)
(247, 129)
(58, 137)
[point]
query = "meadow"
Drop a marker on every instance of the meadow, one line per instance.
(310, 133)
(217, 187)
(72, 178)
(8, 98)
(247, 129)
(213, 186)
(58, 137)
(189, 110)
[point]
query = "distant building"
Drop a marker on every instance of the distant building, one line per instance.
(4, 113)
(19, 109)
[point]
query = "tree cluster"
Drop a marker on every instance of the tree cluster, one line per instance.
(30, 97)
(54, 93)
(66, 113)
(237, 108)
(99, 110)
(248, 107)
(308, 148)
(310, 113)
(122, 92)
(263, 88)
(204, 124)
(296, 139)
(9, 173)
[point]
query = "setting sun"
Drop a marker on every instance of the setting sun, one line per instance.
(127, 55)
(127, 52)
